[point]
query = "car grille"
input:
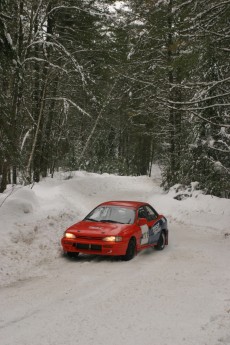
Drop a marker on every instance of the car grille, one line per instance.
(87, 246)
(89, 238)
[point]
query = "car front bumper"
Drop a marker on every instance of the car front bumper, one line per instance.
(94, 247)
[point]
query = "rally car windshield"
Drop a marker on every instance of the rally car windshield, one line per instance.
(112, 214)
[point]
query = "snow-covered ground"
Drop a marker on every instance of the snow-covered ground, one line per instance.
(178, 296)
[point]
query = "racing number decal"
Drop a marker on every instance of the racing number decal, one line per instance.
(150, 235)
(145, 234)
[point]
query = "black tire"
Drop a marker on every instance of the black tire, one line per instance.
(131, 250)
(161, 242)
(72, 255)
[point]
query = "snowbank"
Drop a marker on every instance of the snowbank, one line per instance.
(32, 220)
(194, 208)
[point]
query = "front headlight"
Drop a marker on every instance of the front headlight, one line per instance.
(112, 239)
(69, 235)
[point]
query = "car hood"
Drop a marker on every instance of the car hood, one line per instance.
(97, 228)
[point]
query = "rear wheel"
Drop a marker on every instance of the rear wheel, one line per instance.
(161, 242)
(131, 250)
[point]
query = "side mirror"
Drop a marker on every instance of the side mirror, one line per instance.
(142, 221)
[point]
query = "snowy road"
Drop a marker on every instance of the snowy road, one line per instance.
(178, 296)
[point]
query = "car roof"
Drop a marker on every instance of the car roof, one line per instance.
(133, 204)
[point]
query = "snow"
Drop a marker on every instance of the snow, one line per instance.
(178, 296)
(9, 39)
(119, 5)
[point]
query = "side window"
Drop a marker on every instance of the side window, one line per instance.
(141, 213)
(151, 213)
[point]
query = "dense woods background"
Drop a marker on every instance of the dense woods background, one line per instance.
(111, 86)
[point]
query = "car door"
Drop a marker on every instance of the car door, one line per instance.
(144, 239)
(154, 224)
(150, 232)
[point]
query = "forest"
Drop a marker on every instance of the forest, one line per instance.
(113, 86)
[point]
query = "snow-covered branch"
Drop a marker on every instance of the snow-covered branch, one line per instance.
(64, 99)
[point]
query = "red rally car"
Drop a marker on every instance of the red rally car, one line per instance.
(117, 228)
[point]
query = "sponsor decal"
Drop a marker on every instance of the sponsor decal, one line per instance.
(155, 229)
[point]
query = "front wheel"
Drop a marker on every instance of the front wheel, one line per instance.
(131, 250)
(161, 242)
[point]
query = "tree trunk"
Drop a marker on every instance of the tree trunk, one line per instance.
(171, 79)
(4, 176)
(38, 127)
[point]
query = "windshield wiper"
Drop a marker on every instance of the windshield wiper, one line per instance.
(110, 221)
(91, 219)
